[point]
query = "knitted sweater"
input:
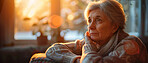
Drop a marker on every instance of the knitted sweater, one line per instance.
(123, 48)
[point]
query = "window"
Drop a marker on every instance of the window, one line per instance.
(131, 9)
(29, 15)
(74, 23)
(30, 12)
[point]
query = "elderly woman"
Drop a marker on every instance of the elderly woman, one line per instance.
(104, 42)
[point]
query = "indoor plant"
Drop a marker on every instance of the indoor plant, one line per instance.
(41, 29)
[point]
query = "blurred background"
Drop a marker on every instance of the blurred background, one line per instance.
(31, 26)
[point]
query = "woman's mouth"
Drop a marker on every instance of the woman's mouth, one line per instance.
(91, 34)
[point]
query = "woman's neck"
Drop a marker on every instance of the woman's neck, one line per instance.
(103, 42)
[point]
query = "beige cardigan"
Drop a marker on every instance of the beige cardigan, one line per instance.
(122, 48)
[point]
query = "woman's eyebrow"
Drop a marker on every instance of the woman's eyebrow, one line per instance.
(97, 16)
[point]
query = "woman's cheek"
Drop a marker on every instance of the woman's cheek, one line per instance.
(102, 32)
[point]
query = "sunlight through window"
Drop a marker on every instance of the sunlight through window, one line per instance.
(29, 13)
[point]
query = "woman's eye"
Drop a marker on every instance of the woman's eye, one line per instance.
(89, 20)
(98, 20)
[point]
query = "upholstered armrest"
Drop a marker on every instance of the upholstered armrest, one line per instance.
(40, 58)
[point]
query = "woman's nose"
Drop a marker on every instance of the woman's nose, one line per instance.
(92, 25)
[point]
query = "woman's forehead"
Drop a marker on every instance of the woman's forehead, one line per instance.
(96, 13)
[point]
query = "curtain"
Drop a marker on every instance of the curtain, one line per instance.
(1, 5)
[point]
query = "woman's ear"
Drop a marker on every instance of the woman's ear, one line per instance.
(115, 28)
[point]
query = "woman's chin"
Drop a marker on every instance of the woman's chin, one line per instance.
(94, 38)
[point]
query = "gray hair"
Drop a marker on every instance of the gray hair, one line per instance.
(113, 9)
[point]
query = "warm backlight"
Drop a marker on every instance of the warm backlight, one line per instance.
(55, 21)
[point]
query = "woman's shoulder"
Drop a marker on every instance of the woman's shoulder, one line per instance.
(133, 45)
(132, 39)
(125, 38)
(133, 48)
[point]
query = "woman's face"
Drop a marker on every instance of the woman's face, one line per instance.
(99, 26)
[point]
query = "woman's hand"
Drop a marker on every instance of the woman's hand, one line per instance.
(88, 40)
(89, 49)
(89, 45)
